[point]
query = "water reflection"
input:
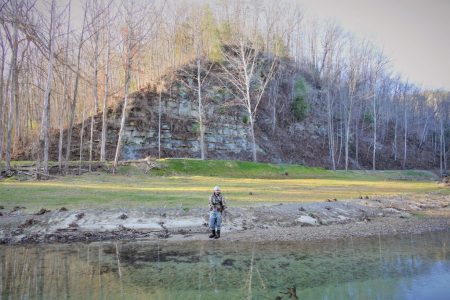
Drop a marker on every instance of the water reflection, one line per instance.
(400, 267)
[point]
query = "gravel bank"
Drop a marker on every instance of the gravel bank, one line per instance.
(282, 222)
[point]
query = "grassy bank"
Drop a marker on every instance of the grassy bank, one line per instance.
(188, 183)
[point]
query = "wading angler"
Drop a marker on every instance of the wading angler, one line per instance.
(217, 205)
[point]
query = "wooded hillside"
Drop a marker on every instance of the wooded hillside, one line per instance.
(299, 89)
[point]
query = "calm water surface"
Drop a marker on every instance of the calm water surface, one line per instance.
(398, 267)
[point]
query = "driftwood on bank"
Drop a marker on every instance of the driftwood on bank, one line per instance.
(76, 168)
(147, 164)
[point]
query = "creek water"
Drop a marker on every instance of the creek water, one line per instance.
(395, 267)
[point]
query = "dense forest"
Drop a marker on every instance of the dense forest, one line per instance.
(65, 63)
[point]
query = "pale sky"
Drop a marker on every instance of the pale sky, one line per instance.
(414, 34)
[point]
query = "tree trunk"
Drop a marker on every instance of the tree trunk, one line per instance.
(445, 153)
(95, 90)
(374, 131)
(125, 101)
(274, 98)
(395, 139)
(424, 132)
(252, 132)
(441, 148)
(75, 94)
(159, 122)
(105, 99)
(331, 142)
(200, 111)
(64, 97)
(347, 130)
(2, 102)
(341, 141)
(17, 129)
(357, 132)
(82, 134)
(44, 135)
(406, 138)
(12, 90)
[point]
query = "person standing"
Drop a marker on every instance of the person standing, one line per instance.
(217, 205)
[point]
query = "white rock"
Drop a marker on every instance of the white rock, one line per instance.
(307, 220)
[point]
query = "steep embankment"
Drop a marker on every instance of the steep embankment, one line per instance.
(280, 136)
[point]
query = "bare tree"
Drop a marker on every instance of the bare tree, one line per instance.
(2, 99)
(45, 124)
(330, 74)
(73, 104)
(95, 28)
(396, 97)
(65, 93)
(199, 31)
(106, 92)
(135, 19)
(405, 95)
(354, 75)
(243, 64)
(13, 39)
(376, 72)
(198, 46)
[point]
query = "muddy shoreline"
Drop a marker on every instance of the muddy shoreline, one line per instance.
(281, 222)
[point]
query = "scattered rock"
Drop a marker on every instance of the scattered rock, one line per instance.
(123, 217)
(367, 197)
(302, 208)
(63, 209)
(1, 214)
(16, 208)
(80, 216)
(73, 225)
(163, 234)
(228, 262)
(327, 207)
(28, 223)
(366, 219)
(2, 207)
(42, 211)
(307, 220)
(250, 193)
(286, 174)
(184, 232)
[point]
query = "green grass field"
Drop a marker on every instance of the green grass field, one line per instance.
(188, 183)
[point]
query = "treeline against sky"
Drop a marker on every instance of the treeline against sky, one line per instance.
(62, 62)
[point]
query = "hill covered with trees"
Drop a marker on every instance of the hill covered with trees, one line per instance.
(231, 80)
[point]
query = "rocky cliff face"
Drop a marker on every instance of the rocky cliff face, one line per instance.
(225, 124)
(280, 138)
(226, 134)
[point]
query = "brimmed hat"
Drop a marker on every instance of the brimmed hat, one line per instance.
(217, 188)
